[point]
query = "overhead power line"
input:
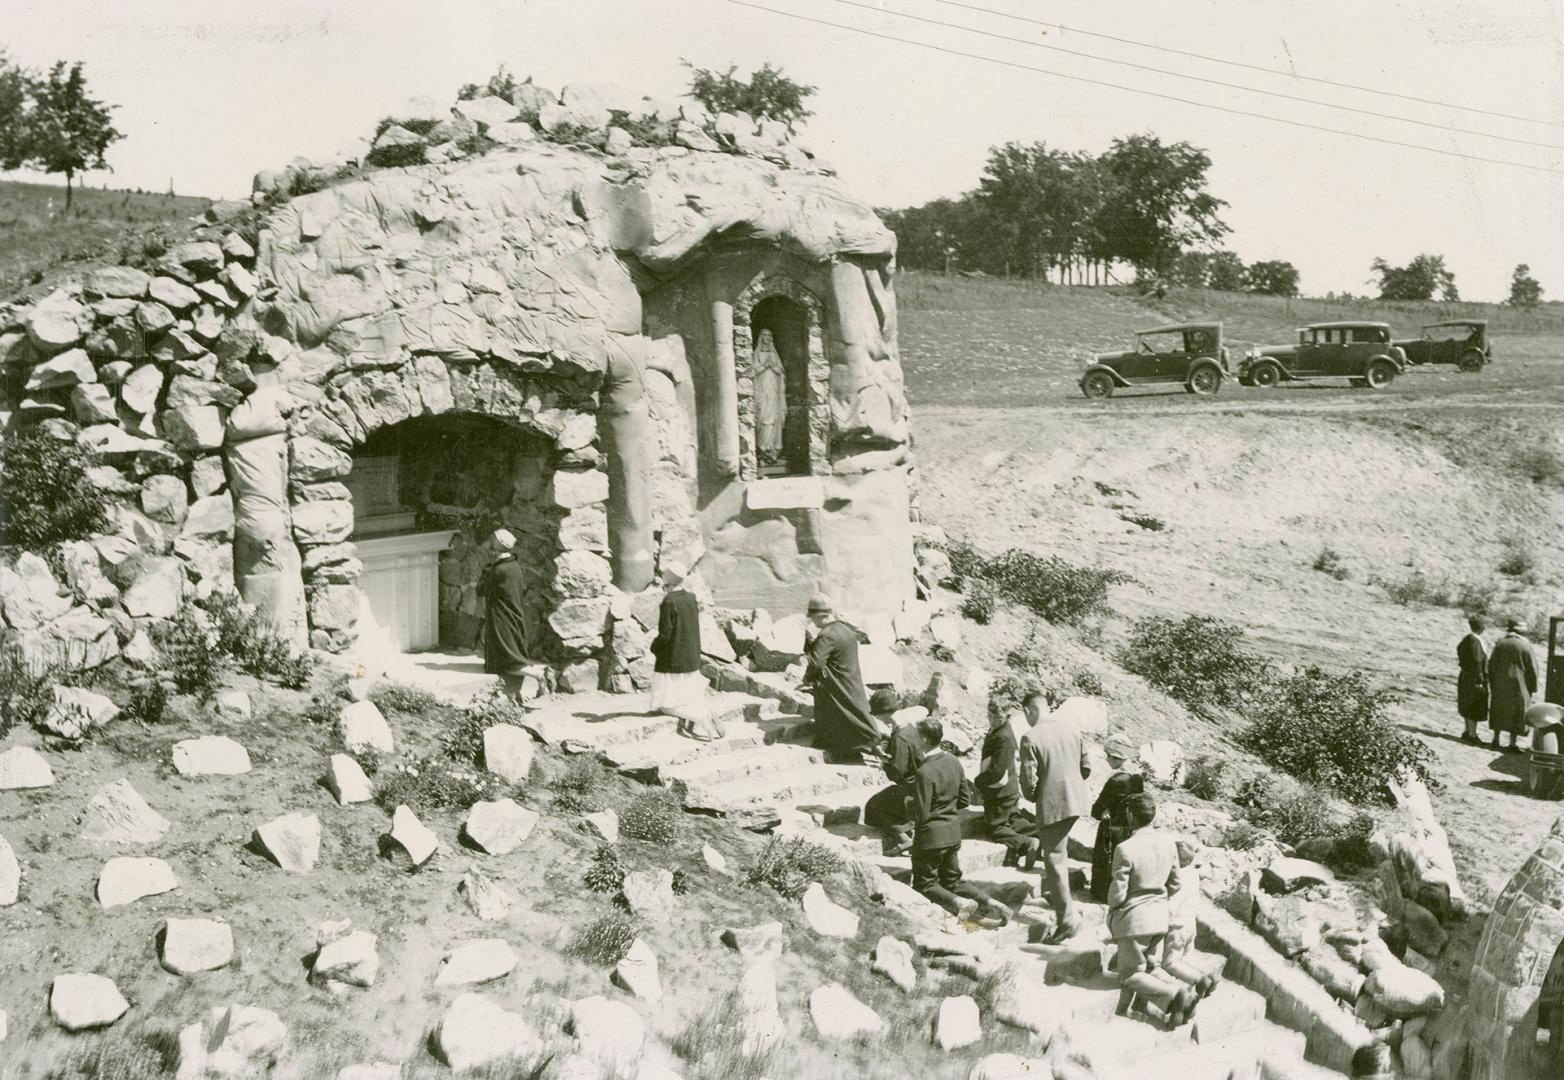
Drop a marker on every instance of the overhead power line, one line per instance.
(1193, 78)
(1250, 67)
(1146, 93)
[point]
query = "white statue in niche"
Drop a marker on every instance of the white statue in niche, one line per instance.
(770, 400)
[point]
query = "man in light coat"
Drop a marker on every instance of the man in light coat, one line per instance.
(1054, 768)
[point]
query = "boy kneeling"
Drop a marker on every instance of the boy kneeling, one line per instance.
(936, 843)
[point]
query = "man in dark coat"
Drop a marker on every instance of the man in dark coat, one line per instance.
(502, 588)
(890, 809)
(1111, 812)
(1471, 685)
(999, 786)
(1512, 680)
(936, 844)
(844, 727)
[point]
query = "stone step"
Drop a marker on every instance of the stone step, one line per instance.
(594, 722)
(825, 792)
(1237, 1057)
(741, 763)
(651, 758)
(1229, 1010)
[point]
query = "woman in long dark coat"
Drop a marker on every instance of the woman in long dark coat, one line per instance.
(502, 588)
(678, 687)
(1512, 680)
(1471, 685)
(1112, 814)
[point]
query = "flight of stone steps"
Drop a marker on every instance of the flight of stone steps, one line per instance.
(764, 773)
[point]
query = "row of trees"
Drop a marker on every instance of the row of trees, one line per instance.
(1038, 210)
(1427, 275)
(51, 123)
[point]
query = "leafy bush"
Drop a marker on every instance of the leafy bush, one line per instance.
(1328, 561)
(403, 699)
(681, 882)
(1542, 463)
(1088, 683)
(580, 788)
(607, 873)
(1206, 777)
(1293, 812)
(790, 864)
(643, 130)
(1353, 850)
(1047, 586)
(188, 645)
(147, 704)
(25, 692)
(604, 940)
(221, 629)
(767, 94)
(425, 784)
(654, 816)
(1333, 730)
(45, 496)
(1198, 660)
(1518, 560)
(396, 156)
(462, 739)
(980, 602)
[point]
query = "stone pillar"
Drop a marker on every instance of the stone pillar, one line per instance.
(266, 562)
(627, 440)
(722, 420)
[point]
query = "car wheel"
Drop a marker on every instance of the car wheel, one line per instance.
(1097, 385)
(1204, 381)
(1380, 374)
(1471, 362)
(1266, 375)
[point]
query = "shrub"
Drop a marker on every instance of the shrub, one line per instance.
(607, 873)
(1243, 836)
(980, 602)
(1289, 810)
(1328, 561)
(1353, 850)
(1542, 463)
(1206, 777)
(45, 496)
(579, 789)
(653, 816)
(403, 698)
(223, 629)
(1419, 588)
(425, 784)
(789, 864)
(604, 940)
(462, 739)
(1088, 683)
(1146, 521)
(643, 130)
(393, 157)
(1058, 591)
(26, 692)
(188, 645)
(681, 882)
(1518, 560)
(1334, 730)
(147, 703)
(1198, 660)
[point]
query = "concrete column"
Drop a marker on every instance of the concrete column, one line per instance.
(722, 419)
(627, 439)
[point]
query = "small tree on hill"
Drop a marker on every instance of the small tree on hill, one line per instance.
(1226, 271)
(1525, 290)
(66, 130)
(768, 93)
(1417, 280)
(1274, 277)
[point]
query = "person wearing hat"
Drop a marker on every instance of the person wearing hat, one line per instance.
(502, 589)
(1512, 680)
(1471, 685)
(1109, 810)
(999, 786)
(844, 727)
(678, 687)
(1139, 916)
(890, 809)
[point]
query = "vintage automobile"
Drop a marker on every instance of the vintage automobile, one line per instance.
(1187, 354)
(1463, 342)
(1360, 352)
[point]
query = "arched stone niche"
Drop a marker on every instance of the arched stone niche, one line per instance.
(796, 318)
(1517, 986)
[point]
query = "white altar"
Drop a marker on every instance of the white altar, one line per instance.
(401, 590)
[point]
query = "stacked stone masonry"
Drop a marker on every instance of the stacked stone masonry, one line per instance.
(597, 299)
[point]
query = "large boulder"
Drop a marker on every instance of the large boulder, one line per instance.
(74, 711)
(609, 1032)
(81, 1002)
(193, 945)
(957, 1024)
(210, 755)
(827, 918)
(475, 1032)
(499, 826)
(476, 962)
(125, 879)
(291, 841)
(11, 875)
(837, 1014)
(118, 815)
(232, 1041)
(893, 959)
(348, 959)
(22, 767)
(637, 972)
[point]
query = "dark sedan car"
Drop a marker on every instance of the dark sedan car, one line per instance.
(1187, 354)
(1360, 352)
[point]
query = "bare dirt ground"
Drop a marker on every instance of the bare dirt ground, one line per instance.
(1421, 480)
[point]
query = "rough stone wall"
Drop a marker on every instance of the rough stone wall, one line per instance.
(1521, 938)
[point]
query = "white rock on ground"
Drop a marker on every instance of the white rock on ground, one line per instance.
(572, 1066)
(10, 875)
(605, 824)
(350, 959)
(637, 972)
(1162, 761)
(233, 1040)
(118, 815)
(893, 959)
(374, 1070)
(609, 1032)
(508, 751)
(346, 781)
(413, 836)
(762, 942)
(23, 767)
(499, 826)
(478, 961)
(210, 755)
(291, 841)
(233, 705)
(839, 1015)
(826, 917)
(192, 945)
(128, 878)
(364, 728)
(714, 859)
(487, 898)
(475, 1031)
(74, 711)
(649, 894)
(957, 1024)
(760, 1017)
(80, 1002)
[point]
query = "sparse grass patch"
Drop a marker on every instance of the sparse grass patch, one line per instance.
(426, 784)
(25, 693)
(713, 1044)
(120, 1056)
(580, 788)
(403, 698)
(1542, 463)
(654, 816)
(1243, 836)
(1419, 588)
(789, 864)
(1328, 562)
(1518, 560)
(604, 940)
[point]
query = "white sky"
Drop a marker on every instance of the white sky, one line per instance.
(209, 92)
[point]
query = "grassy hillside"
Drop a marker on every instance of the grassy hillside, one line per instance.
(38, 236)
